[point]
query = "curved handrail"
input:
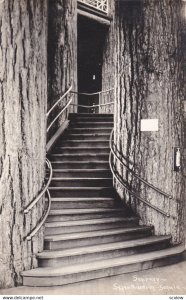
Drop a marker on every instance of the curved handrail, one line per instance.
(137, 176)
(45, 189)
(112, 152)
(59, 114)
(134, 194)
(36, 229)
(69, 103)
(34, 202)
(59, 100)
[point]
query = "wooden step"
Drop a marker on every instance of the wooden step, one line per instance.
(81, 182)
(81, 150)
(89, 225)
(68, 192)
(79, 124)
(87, 136)
(79, 157)
(56, 215)
(78, 164)
(82, 173)
(71, 240)
(99, 116)
(108, 267)
(86, 130)
(92, 118)
(84, 143)
(66, 203)
(104, 251)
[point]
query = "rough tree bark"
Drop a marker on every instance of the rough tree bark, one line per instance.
(23, 94)
(149, 82)
(62, 50)
(143, 59)
(108, 69)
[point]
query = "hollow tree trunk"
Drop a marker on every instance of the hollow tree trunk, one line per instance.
(149, 81)
(23, 94)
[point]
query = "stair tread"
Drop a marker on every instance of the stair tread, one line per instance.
(86, 134)
(95, 233)
(80, 122)
(102, 247)
(87, 141)
(82, 199)
(81, 170)
(80, 162)
(84, 210)
(79, 178)
(103, 264)
(91, 114)
(77, 188)
(79, 154)
(90, 128)
(90, 222)
(79, 148)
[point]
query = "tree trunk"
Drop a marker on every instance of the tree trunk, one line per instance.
(149, 81)
(23, 94)
(108, 69)
(62, 51)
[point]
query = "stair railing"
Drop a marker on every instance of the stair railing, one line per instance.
(63, 109)
(100, 94)
(69, 91)
(36, 200)
(113, 153)
(45, 189)
(100, 5)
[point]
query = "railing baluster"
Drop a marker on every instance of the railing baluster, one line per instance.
(101, 5)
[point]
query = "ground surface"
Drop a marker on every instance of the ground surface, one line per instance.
(170, 280)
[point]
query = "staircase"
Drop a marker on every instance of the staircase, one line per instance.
(89, 233)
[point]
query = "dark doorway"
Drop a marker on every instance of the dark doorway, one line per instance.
(91, 36)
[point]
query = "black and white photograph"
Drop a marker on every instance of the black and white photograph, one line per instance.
(92, 149)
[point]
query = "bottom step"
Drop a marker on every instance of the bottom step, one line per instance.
(115, 266)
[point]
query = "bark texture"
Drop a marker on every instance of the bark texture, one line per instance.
(108, 69)
(62, 51)
(149, 85)
(23, 94)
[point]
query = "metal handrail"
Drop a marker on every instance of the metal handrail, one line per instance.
(91, 106)
(69, 103)
(35, 201)
(91, 94)
(45, 189)
(59, 100)
(138, 177)
(116, 176)
(59, 114)
(36, 229)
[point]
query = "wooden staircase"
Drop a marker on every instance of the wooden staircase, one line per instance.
(89, 233)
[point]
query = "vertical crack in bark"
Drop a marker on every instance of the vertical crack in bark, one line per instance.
(10, 10)
(22, 108)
